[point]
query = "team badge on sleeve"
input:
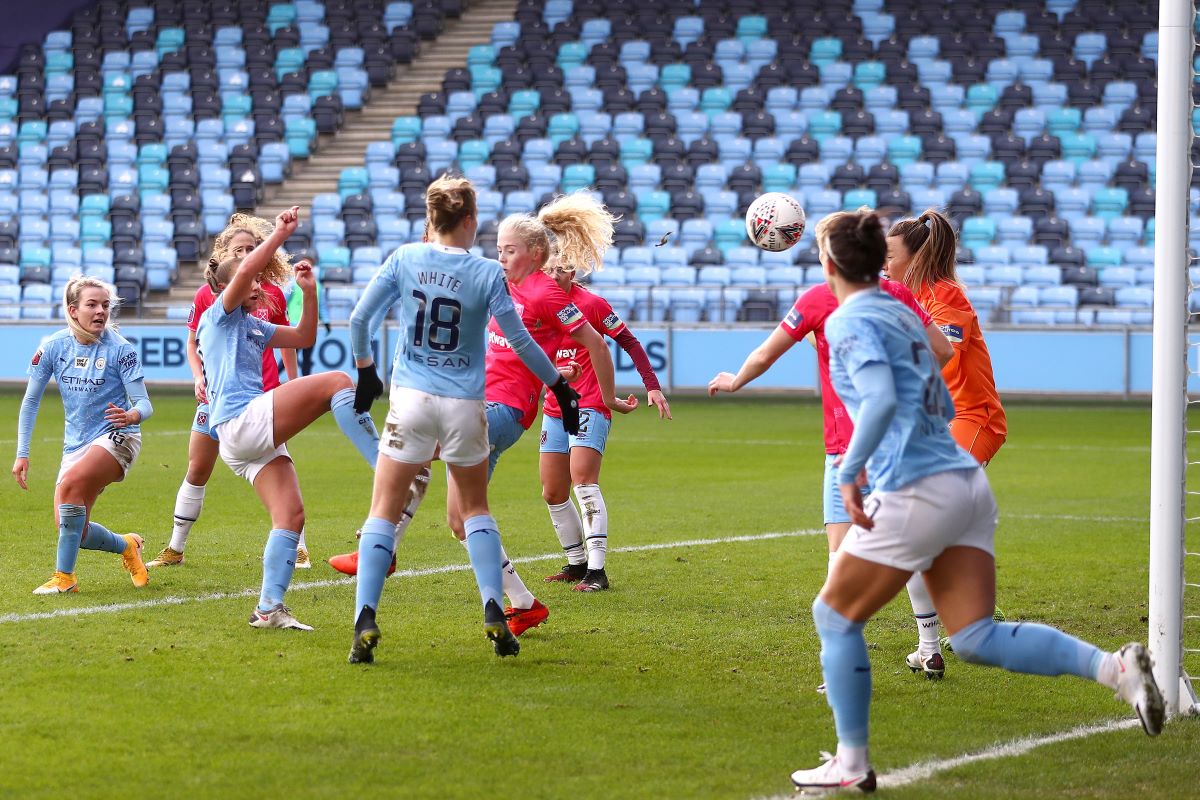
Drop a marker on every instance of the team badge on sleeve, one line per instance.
(793, 318)
(37, 357)
(953, 332)
(569, 314)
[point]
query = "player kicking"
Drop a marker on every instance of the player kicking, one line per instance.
(98, 375)
(567, 460)
(252, 426)
(242, 235)
(921, 254)
(931, 510)
(437, 399)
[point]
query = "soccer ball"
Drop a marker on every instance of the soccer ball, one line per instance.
(775, 221)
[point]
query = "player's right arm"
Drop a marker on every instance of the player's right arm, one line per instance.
(758, 362)
(241, 285)
(40, 371)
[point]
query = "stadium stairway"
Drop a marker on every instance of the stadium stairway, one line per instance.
(372, 123)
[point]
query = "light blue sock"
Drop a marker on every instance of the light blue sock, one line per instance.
(279, 561)
(359, 428)
(375, 550)
(101, 538)
(1026, 647)
(847, 673)
(70, 530)
(483, 546)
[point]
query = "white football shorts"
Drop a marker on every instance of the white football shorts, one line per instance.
(915, 523)
(418, 421)
(124, 447)
(247, 442)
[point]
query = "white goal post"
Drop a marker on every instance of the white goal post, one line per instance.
(1173, 636)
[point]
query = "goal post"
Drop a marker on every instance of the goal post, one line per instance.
(1169, 460)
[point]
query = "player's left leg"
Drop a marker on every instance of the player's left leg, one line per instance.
(554, 468)
(587, 456)
(299, 403)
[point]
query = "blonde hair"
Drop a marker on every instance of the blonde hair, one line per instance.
(931, 246)
(278, 271)
(448, 201)
(71, 294)
(582, 230)
(531, 233)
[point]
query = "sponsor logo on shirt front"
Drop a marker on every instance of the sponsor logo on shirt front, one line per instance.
(569, 314)
(81, 362)
(953, 332)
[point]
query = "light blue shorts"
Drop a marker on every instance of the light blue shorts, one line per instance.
(593, 432)
(200, 421)
(504, 429)
(835, 509)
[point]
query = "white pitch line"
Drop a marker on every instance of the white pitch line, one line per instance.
(1073, 517)
(924, 770)
(117, 608)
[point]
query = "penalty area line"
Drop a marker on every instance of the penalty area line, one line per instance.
(924, 770)
(137, 605)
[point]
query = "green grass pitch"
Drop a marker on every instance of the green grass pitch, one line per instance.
(693, 676)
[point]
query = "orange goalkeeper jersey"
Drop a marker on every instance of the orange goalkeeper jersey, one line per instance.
(969, 373)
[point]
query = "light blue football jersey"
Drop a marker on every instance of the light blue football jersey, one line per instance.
(89, 377)
(871, 327)
(446, 297)
(231, 346)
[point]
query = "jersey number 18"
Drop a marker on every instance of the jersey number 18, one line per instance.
(444, 314)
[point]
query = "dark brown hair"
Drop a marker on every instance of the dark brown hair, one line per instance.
(449, 201)
(931, 247)
(854, 242)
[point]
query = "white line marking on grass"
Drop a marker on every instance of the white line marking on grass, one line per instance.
(1073, 517)
(924, 770)
(117, 608)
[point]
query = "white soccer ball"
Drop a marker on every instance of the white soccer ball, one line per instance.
(775, 221)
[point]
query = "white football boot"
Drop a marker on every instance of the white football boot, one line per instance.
(278, 616)
(1136, 686)
(831, 776)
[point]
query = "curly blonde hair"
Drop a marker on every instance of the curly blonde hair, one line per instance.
(278, 271)
(581, 229)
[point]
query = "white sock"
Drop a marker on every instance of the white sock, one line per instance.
(188, 503)
(854, 759)
(1109, 673)
(514, 587)
(595, 523)
(925, 614)
(569, 529)
(416, 493)
(302, 543)
(832, 560)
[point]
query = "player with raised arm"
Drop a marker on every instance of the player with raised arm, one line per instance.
(921, 254)
(807, 319)
(105, 402)
(253, 426)
(931, 510)
(241, 235)
(437, 400)
(567, 460)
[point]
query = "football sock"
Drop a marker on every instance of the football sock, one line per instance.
(71, 519)
(832, 559)
(375, 550)
(514, 587)
(302, 543)
(1027, 647)
(359, 428)
(189, 500)
(853, 758)
(99, 537)
(416, 493)
(847, 671)
(483, 546)
(595, 523)
(279, 560)
(925, 615)
(569, 529)
(1108, 671)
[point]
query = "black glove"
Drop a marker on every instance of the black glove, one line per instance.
(568, 401)
(328, 328)
(369, 387)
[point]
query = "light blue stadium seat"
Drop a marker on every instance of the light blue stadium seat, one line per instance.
(823, 202)
(981, 98)
(855, 198)
(1029, 254)
(935, 73)
(609, 276)
(1001, 72)
(1120, 95)
(923, 48)
(673, 77)
(977, 232)
(903, 149)
(950, 97)
(1086, 232)
(836, 75)
(729, 233)
(992, 255)
(1028, 123)
(986, 175)
(836, 150)
(636, 151)
(870, 150)
(1022, 49)
(1090, 46)
(1042, 275)
(742, 256)
(917, 175)
(1110, 202)
(971, 274)
(875, 98)
(1104, 258)
(928, 198)
(891, 122)
(1000, 203)
(695, 234)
